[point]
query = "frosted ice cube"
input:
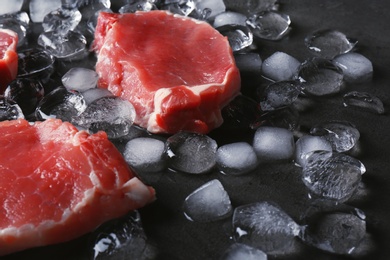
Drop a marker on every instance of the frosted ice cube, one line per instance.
(40, 8)
(252, 6)
(273, 143)
(9, 109)
(13, 6)
(365, 101)
(265, 226)
(320, 77)
(280, 94)
(213, 7)
(61, 20)
(342, 135)
(280, 66)
(248, 62)
(231, 18)
(307, 144)
(236, 158)
(239, 37)
(191, 153)
(355, 66)
(329, 43)
(210, 202)
(93, 94)
(269, 25)
(80, 79)
(239, 251)
(145, 154)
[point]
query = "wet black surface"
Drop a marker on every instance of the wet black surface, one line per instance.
(178, 238)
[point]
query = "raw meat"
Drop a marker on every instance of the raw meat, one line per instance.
(177, 72)
(8, 57)
(58, 183)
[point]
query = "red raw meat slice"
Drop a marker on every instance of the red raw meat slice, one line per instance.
(58, 183)
(177, 72)
(8, 57)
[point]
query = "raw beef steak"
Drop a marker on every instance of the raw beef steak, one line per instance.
(8, 57)
(177, 72)
(58, 183)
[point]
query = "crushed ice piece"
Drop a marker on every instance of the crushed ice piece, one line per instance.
(17, 22)
(8, 7)
(26, 93)
(355, 66)
(229, 18)
(335, 228)
(236, 158)
(342, 135)
(35, 63)
(191, 152)
(211, 7)
(280, 94)
(238, 251)
(252, 6)
(62, 104)
(145, 154)
(365, 101)
(280, 66)
(113, 115)
(122, 238)
(80, 79)
(331, 175)
(248, 62)
(273, 143)
(320, 77)
(307, 144)
(181, 7)
(61, 20)
(208, 203)
(329, 43)
(9, 109)
(40, 8)
(239, 37)
(93, 94)
(265, 226)
(69, 46)
(144, 5)
(269, 25)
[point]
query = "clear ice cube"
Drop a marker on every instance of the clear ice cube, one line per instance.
(329, 43)
(252, 6)
(212, 7)
(191, 152)
(8, 7)
(284, 118)
(229, 18)
(61, 20)
(280, 94)
(280, 66)
(320, 77)
(35, 63)
(181, 7)
(329, 176)
(239, 37)
(238, 251)
(356, 67)
(236, 158)
(342, 135)
(17, 22)
(93, 94)
(208, 203)
(307, 144)
(265, 226)
(273, 143)
(9, 109)
(144, 5)
(269, 25)
(364, 101)
(145, 154)
(80, 79)
(40, 8)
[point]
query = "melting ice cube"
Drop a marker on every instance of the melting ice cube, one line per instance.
(145, 5)
(236, 158)
(229, 18)
(280, 94)
(181, 7)
(269, 25)
(9, 109)
(80, 79)
(280, 66)
(61, 20)
(239, 251)
(17, 22)
(252, 6)
(214, 7)
(35, 63)
(239, 37)
(93, 94)
(356, 67)
(365, 101)
(307, 144)
(210, 202)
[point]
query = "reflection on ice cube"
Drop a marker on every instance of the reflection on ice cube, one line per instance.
(239, 251)
(269, 25)
(364, 101)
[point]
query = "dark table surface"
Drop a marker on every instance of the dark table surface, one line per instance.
(178, 238)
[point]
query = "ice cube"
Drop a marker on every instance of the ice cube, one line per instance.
(181, 7)
(307, 144)
(236, 158)
(280, 94)
(239, 251)
(269, 25)
(61, 20)
(13, 6)
(355, 66)
(265, 226)
(229, 18)
(342, 135)
(284, 118)
(145, 154)
(252, 6)
(35, 63)
(212, 7)
(365, 101)
(210, 202)
(40, 8)
(191, 153)
(273, 143)
(93, 94)
(9, 109)
(320, 77)
(248, 62)
(239, 37)
(17, 22)
(329, 176)
(280, 66)
(329, 43)
(80, 79)
(144, 5)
